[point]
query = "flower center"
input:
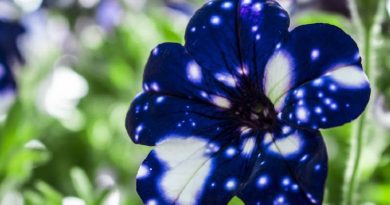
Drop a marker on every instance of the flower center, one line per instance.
(256, 112)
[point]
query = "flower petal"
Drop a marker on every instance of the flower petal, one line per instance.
(171, 71)
(236, 37)
(336, 98)
(263, 26)
(291, 169)
(7, 88)
(316, 79)
(6, 78)
(310, 52)
(191, 170)
(317, 49)
(153, 117)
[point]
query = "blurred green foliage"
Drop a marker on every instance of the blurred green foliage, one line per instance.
(45, 159)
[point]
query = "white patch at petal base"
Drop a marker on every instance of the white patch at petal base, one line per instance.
(267, 138)
(350, 76)
(287, 146)
(221, 102)
(226, 79)
(277, 76)
(188, 168)
(248, 146)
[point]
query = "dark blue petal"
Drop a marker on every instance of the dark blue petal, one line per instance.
(332, 100)
(329, 87)
(191, 170)
(153, 117)
(291, 169)
(7, 87)
(236, 38)
(317, 49)
(9, 34)
(6, 79)
(171, 71)
(262, 27)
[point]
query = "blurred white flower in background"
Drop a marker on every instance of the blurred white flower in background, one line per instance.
(28, 5)
(388, 6)
(137, 5)
(45, 35)
(381, 113)
(88, 3)
(114, 198)
(71, 200)
(12, 198)
(60, 94)
(8, 11)
(35, 145)
(105, 178)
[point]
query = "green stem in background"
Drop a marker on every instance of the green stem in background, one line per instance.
(357, 137)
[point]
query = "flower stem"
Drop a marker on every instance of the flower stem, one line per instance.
(357, 136)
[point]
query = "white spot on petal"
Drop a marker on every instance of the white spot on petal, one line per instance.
(215, 20)
(231, 184)
(286, 181)
(315, 53)
(143, 172)
(151, 202)
(262, 181)
(155, 51)
(302, 114)
(160, 99)
(230, 151)
(286, 129)
(227, 5)
(154, 87)
(257, 7)
(246, 2)
(194, 72)
(255, 28)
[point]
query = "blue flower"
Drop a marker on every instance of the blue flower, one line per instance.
(9, 53)
(237, 110)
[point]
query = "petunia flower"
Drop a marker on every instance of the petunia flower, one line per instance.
(9, 53)
(237, 110)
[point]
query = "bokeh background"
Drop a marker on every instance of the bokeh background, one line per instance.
(79, 63)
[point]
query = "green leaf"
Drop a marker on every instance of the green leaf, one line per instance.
(82, 184)
(51, 195)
